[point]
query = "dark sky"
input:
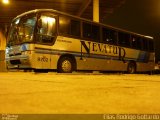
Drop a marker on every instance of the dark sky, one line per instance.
(140, 16)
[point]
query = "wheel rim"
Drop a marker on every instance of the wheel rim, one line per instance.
(66, 66)
(131, 68)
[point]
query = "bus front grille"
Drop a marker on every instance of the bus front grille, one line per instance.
(15, 62)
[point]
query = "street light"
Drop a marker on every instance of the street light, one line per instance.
(5, 1)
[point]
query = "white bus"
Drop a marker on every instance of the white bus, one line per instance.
(46, 39)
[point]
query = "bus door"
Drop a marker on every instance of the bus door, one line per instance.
(45, 38)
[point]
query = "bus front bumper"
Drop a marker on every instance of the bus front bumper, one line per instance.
(18, 62)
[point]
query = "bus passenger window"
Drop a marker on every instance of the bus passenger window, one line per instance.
(64, 25)
(139, 43)
(92, 32)
(136, 42)
(145, 44)
(95, 32)
(75, 28)
(69, 26)
(124, 39)
(109, 36)
(133, 42)
(151, 46)
(87, 30)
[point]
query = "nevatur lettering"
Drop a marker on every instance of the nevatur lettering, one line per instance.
(92, 47)
(104, 48)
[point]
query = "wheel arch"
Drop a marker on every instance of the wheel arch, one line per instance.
(132, 61)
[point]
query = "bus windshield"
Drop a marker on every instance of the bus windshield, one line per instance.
(22, 30)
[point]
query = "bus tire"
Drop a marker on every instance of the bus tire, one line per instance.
(65, 65)
(131, 69)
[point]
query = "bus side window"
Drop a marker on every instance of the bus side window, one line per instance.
(95, 32)
(91, 32)
(109, 36)
(87, 30)
(48, 26)
(69, 26)
(47, 29)
(151, 46)
(64, 25)
(75, 28)
(136, 42)
(124, 39)
(145, 44)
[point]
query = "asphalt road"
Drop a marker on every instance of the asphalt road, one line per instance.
(79, 93)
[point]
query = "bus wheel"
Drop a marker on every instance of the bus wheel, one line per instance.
(131, 68)
(65, 65)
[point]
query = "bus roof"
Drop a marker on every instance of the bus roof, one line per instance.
(63, 13)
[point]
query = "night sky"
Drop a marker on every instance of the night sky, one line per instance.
(140, 16)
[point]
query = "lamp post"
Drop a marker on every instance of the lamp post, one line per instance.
(96, 10)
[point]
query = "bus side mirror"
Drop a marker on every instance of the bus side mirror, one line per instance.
(39, 23)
